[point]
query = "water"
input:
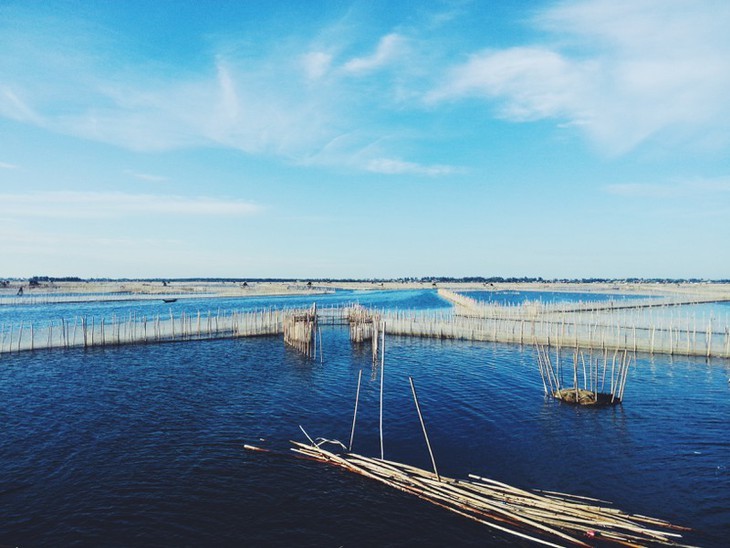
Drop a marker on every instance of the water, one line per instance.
(41, 314)
(142, 445)
(520, 297)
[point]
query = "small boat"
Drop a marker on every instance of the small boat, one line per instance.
(169, 300)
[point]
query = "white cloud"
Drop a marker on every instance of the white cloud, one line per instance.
(287, 98)
(538, 83)
(316, 64)
(13, 107)
(5, 165)
(390, 47)
(87, 87)
(392, 166)
(148, 177)
(690, 188)
(103, 205)
(622, 72)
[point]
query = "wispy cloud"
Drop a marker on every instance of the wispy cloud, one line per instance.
(287, 98)
(389, 49)
(148, 177)
(103, 205)
(691, 188)
(5, 165)
(15, 108)
(316, 64)
(391, 166)
(622, 72)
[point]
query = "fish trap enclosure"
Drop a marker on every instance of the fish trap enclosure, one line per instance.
(604, 378)
(300, 331)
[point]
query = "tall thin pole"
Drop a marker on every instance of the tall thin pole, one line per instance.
(321, 358)
(382, 372)
(354, 416)
(423, 425)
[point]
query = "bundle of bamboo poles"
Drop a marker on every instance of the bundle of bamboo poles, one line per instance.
(545, 517)
(361, 323)
(300, 330)
(593, 376)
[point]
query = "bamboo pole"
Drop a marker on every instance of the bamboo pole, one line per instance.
(423, 426)
(382, 376)
(540, 365)
(321, 357)
(354, 415)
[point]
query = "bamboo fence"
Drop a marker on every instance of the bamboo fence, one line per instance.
(574, 330)
(672, 334)
(86, 332)
(468, 306)
(300, 330)
(365, 324)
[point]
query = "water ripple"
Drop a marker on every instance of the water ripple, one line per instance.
(142, 445)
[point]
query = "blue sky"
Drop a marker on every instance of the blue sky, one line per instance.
(365, 139)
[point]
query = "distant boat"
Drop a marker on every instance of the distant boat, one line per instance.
(169, 300)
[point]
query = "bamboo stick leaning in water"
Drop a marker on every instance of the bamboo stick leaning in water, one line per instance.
(423, 426)
(354, 415)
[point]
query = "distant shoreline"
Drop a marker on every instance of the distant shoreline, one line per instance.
(143, 290)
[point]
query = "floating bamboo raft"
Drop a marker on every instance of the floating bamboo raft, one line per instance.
(545, 517)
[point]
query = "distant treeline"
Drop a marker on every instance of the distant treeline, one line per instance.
(37, 280)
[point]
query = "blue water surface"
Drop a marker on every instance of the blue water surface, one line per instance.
(41, 314)
(143, 445)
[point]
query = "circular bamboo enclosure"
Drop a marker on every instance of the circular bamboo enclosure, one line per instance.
(603, 376)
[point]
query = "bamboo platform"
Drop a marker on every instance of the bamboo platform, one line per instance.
(548, 518)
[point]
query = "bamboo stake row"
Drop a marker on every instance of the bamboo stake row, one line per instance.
(473, 307)
(595, 332)
(563, 331)
(88, 332)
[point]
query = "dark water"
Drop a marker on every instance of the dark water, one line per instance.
(142, 445)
